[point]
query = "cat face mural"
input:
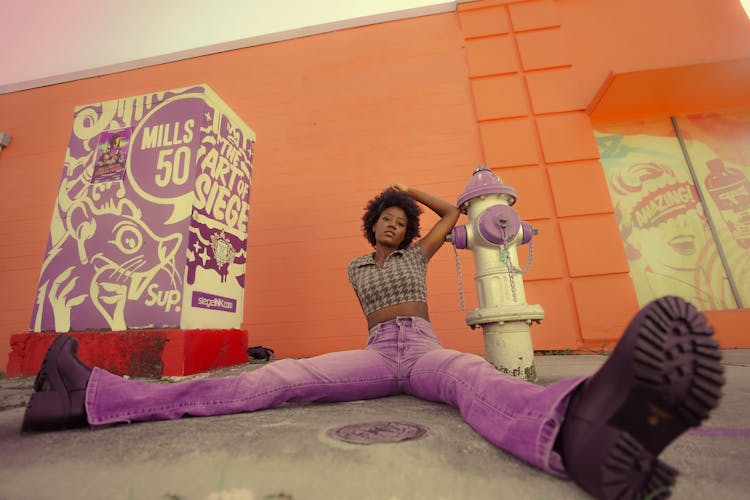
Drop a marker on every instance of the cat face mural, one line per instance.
(126, 264)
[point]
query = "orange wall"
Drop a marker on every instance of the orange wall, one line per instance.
(339, 116)
(604, 35)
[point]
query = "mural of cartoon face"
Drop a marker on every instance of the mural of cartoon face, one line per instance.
(674, 244)
(660, 215)
(126, 263)
(665, 231)
(120, 258)
(682, 199)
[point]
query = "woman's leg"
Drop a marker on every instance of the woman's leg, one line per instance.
(341, 376)
(517, 416)
(520, 417)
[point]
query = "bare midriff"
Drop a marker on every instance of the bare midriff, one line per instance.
(392, 312)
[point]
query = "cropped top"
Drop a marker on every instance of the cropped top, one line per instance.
(402, 278)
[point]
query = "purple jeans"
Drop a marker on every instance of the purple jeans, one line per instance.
(403, 356)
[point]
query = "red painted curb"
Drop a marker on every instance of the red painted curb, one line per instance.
(137, 353)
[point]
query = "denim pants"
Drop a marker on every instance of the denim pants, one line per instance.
(403, 356)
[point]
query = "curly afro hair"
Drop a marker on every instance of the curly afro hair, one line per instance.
(392, 198)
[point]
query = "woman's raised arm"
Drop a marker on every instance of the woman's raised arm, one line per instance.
(447, 212)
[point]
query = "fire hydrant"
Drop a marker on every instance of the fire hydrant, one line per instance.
(493, 232)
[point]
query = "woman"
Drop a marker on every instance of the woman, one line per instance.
(604, 431)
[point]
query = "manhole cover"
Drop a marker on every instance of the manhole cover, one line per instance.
(377, 432)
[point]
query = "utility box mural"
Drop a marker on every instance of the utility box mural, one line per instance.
(150, 225)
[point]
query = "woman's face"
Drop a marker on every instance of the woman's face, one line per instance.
(390, 228)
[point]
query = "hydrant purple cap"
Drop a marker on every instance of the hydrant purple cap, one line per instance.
(484, 181)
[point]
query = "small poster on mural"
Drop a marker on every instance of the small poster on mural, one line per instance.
(111, 155)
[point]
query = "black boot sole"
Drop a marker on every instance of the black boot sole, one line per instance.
(665, 376)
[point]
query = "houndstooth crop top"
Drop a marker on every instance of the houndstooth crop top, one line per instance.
(402, 278)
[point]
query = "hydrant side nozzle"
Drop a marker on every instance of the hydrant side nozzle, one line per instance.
(458, 237)
(529, 232)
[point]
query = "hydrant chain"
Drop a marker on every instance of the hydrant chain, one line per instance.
(511, 270)
(528, 262)
(460, 278)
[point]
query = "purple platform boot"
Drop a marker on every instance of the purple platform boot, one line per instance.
(663, 377)
(60, 389)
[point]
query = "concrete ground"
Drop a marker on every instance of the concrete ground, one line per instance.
(288, 453)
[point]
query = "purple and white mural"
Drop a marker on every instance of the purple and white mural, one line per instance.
(150, 225)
